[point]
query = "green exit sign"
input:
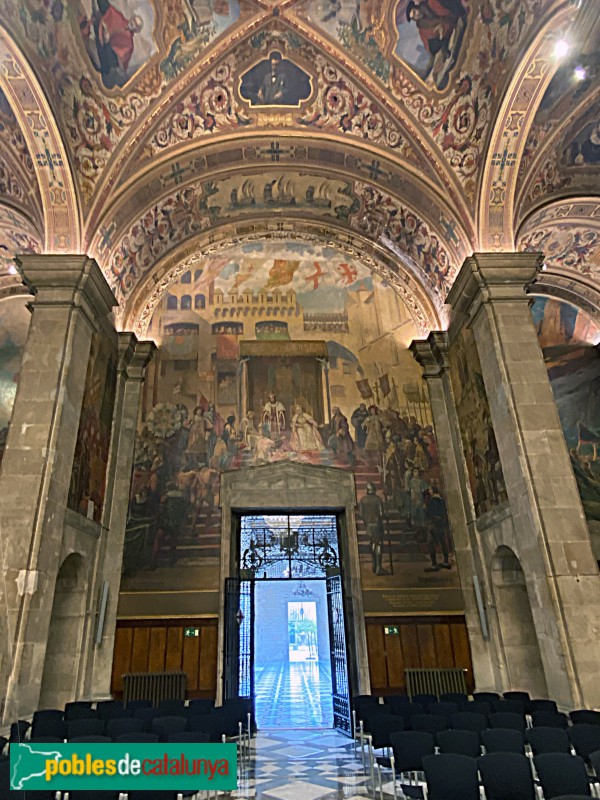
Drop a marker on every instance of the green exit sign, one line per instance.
(191, 631)
(391, 630)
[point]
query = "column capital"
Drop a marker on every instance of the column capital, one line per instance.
(488, 277)
(58, 280)
(431, 353)
(134, 356)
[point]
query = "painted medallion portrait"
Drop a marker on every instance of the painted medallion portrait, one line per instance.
(275, 81)
(118, 37)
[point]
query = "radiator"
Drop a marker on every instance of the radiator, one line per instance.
(154, 686)
(435, 681)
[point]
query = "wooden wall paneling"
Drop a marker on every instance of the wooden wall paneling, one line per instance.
(139, 651)
(377, 656)
(410, 645)
(158, 647)
(191, 657)
(426, 646)
(121, 657)
(462, 651)
(395, 662)
(207, 674)
(173, 658)
(444, 653)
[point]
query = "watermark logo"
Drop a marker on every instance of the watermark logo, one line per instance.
(99, 766)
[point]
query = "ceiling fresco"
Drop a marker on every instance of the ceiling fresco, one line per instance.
(425, 129)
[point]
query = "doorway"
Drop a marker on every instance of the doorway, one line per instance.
(285, 630)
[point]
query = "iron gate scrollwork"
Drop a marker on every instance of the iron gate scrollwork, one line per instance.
(339, 663)
(238, 673)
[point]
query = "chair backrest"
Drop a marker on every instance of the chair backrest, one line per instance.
(171, 707)
(560, 773)
(444, 707)
(478, 707)
(451, 777)
(410, 747)
(164, 726)
(515, 722)
(541, 705)
(424, 699)
(80, 712)
(84, 727)
(585, 739)
(47, 713)
(408, 710)
(47, 739)
(485, 697)
(548, 740)
(395, 700)
(90, 738)
(382, 727)
(454, 697)
(92, 795)
(522, 697)
(18, 730)
(509, 706)
(549, 719)
(189, 736)
(201, 705)
(208, 723)
(585, 716)
(468, 721)
(49, 727)
(113, 710)
(506, 776)
(595, 762)
(464, 743)
(503, 740)
(146, 714)
(116, 727)
(369, 713)
(141, 737)
(133, 704)
(434, 723)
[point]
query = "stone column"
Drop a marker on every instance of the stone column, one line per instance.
(551, 537)
(134, 357)
(70, 295)
(432, 356)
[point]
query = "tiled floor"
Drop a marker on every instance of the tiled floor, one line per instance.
(303, 765)
(296, 695)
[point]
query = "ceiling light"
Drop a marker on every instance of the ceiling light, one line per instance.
(580, 73)
(561, 48)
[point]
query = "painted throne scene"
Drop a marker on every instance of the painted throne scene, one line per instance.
(285, 353)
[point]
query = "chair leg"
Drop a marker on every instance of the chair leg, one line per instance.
(362, 744)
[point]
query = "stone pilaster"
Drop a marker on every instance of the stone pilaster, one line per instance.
(70, 296)
(548, 532)
(134, 357)
(432, 356)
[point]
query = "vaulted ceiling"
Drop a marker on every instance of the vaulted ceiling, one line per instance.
(409, 133)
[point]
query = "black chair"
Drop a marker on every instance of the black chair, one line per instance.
(507, 720)
(541, 705)
(478, 707)
(382, 729)
(394, 700)
(454, 697)
(503, 740)
(200, 705)
(445, 708)
(508, 707)
(171, 707)
(88, 739)
(49, 727)
(433, 723)
(547, 740)
(451, 777)
(148, 715)
(80, 709)
(409, 748)
(372, 712)
(7, 794)
(46, 739)
(132, 705)
(424, 699)
(47, 713)
(84, 727)
(506, 776)
(113, 709)
(120, 725)
(521, 697)
(362, 700)
(585, 716)
(468, 721)
(594, 760)
(408, 711)
(485, 697)
(3, 743)
(165, 726)
(18, 730)
(192, 737)
(208, 723)
(548, 719)
(151, 795)
(560, 774)
(87, 794)
(141, 737)
(464, 743)
(585, 739)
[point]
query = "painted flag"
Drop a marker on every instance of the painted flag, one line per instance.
(281, 273)
(364, 388)
(384, 385)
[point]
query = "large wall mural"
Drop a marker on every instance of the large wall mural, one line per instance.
(284, 352)
(14, 325)
(484, 469)
(570, 342)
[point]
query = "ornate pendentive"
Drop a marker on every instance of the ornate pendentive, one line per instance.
(275, 81)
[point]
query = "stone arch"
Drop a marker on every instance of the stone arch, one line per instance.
(65, 634)
(516, 624)
(62, 219)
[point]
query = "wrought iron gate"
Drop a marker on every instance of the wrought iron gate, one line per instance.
(238, 673)
(339, 661)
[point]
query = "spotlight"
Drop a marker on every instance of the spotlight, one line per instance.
(580, 73)
(561, 48)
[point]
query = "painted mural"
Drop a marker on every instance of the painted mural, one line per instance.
(275, 81)
(569, 340)
(486, 479)
(88, 478)
(288, 352)
(14, 325)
